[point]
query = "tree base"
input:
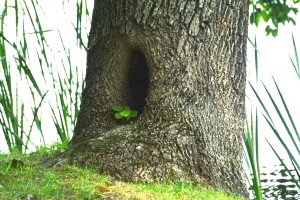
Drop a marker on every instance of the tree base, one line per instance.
(132, 155)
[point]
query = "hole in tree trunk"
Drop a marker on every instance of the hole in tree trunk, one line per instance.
(138, 76)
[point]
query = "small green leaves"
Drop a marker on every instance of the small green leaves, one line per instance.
(273, 13)
(124, 112)
(118, 108)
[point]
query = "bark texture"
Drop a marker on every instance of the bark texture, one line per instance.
(182, 65)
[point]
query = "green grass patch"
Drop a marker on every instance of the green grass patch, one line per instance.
(21, 176)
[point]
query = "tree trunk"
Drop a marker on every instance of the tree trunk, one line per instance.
(182, 65)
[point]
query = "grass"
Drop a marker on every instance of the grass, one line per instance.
(21, 176)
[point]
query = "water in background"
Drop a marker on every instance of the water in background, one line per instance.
(277, 184)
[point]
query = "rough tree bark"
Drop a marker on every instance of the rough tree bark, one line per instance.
(182, 65)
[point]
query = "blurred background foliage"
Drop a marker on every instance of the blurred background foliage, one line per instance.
(274, 13)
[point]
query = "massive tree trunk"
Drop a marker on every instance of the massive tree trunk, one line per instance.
(182, 65)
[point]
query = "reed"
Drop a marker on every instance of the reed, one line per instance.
(288, 137)
(252, 155)
(291, 143)
(251, 142)
(30, 63)
(14, 73)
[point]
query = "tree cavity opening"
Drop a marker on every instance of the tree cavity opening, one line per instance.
(138, 77)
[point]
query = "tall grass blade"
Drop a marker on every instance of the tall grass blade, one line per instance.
(253, 44)
(251, 144)
(36, 121)
(297, 170)
(3, 15)
(283, 143)
(261, 102)
(256, 61)
(38, 30)
(61, 133)
(296, 64)
(78, 27)
(280, 115)
(289, 114)
(23, 65)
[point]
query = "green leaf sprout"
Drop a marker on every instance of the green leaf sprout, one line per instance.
(124, 112)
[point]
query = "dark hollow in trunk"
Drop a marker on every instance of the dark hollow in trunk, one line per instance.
(138, 78)
(182, 65)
